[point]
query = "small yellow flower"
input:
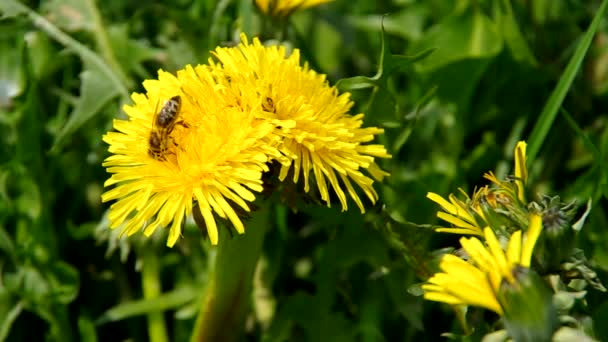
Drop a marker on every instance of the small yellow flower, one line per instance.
(477, 283)
(283, 8)
(502, 198)
(214, 156)
(458, 214)
(317, 132)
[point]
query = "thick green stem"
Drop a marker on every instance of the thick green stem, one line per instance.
(157, 332)
(228, 294)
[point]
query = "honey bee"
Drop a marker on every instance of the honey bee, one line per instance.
(162, 126)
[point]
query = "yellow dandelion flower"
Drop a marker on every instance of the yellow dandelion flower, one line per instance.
(457, 213)
(318, 133)
(283, 8)
(477, 283)
(212, 154)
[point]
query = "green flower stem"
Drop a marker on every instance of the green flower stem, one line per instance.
(152, 289)
(227, 295)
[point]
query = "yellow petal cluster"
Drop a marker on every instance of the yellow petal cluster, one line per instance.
(478, 281)
(470, 215)
(319, 138)
(248, 107)
(283, 8)
(215, 159)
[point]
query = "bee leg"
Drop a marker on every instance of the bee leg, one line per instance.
(183, 124)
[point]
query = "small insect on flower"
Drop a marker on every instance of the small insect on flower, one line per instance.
(162, 126)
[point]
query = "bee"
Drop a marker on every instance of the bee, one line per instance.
(162, 126)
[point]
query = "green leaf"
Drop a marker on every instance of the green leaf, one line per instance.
(86, 327)
(96, 90)
(547, 116)
(387, 64)
(412, 119)
(64, 281)
(567, 334)
(171, 300)
(12, 80)
(130, 53)
(29, 202)
(10, 9)
(355, 83)
(470, 35)
(70, 15)
(8, 317)
(7, 246)
(89, 57)
(407, 23)
(35, 287)
(578, 225)
(597, 155)
(514, 39)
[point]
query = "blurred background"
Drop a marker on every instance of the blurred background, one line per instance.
(476, 79)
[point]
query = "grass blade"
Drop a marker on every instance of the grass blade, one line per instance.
(542, 126)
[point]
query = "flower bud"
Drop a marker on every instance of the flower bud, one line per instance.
(557, 241)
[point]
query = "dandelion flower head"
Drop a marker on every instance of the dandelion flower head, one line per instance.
(477, 283)
(318, 135)
(213, 157)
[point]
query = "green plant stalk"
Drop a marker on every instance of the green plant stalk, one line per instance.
(157, 332)
(103, 43)
(547, 116)
(226, 298)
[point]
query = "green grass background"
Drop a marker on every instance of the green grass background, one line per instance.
(455, 84)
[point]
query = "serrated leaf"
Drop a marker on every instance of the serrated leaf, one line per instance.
(96, 90)
(10, 9)
(71, 15)
(471, 35)
(387, 64)
(131, 53)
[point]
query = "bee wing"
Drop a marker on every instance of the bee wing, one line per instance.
(155, 116)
